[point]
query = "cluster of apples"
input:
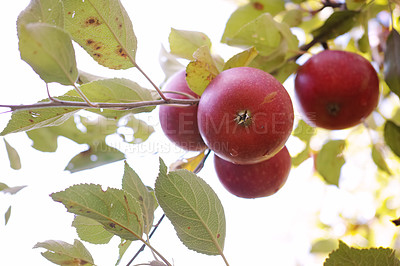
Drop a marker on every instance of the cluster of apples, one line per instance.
(245, 116)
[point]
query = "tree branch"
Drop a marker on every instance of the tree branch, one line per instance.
(117, 106)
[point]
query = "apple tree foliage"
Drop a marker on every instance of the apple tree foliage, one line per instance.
(275, 36)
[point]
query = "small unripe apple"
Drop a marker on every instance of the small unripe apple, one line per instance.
(254, 180)
(245, 115)
(179, 123)
(336, 89)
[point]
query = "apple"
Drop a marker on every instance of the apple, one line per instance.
(336, 89)
(179, 123)
(245, 115)
(254, 180)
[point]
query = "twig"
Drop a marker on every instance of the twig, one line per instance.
(143, 246)
(119, 106)
(201, 163)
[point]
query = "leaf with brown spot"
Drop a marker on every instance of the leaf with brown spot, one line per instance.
(184, 43)
(201, 71)
(25, 120)
(104, 29)
(62, 253)
(241, 59)
(109, 207)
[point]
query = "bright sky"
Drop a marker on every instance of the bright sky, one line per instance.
(270, 231)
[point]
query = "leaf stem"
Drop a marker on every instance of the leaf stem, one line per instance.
(83, 96)
(158, 254)
(148, 78)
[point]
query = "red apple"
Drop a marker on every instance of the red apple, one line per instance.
(254, 180)
(245, 115)
(179, 123)
(336, 89)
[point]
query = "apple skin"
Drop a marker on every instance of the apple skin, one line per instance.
(254, 180)
(336, 89)
(179, 123)
(245, 115)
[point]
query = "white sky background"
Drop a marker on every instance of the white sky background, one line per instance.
(269, 231)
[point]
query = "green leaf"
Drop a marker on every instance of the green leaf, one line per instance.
(283, 72)
(25, 120)
(12, 190)
(193, 208)
(392, 136)
(293, 17)
(62, 253)
(84, 77)
(115, 209)
(355, 4)
(91, 231)
(46, 11)
(45, 139)
(132, 184)
(363, 43)
(201, 71)
(94, 135)
(117, 90)
(241, 59)
(3, 186)
(301, 156)
(324, 246)
(392, 62)
(262, 33)
(273, 40)
(379, 160)
(337, 24)
(48, 50)
(304, 131)
(246, 13)
(104, 29)
(330, 160)
(346, 256)
(97, 155)
(163, 169)
(169, 63)
(141, 130)
(184, 43)
(122, 248)
(7, 215)
(15, 161)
